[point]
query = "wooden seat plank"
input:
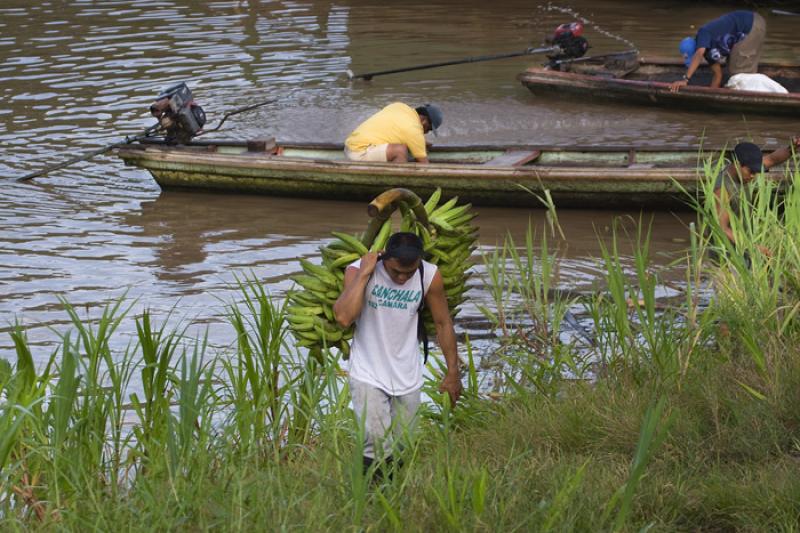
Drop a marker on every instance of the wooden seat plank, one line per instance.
(513, 158)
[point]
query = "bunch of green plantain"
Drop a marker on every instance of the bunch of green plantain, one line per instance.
(449, 240)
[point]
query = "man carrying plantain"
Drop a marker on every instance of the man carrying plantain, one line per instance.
(384, 294)
(391, 133)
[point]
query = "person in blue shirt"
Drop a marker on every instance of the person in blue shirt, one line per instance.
(734, 38)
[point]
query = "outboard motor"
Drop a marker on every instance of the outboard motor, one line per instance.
(569, 38)
(178, 115)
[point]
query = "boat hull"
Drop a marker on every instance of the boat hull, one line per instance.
(649, 85)
(619, 178)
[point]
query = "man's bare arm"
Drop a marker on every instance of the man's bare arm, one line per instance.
(348, 306)
(723, 214)
(445, 335)
(782, 154)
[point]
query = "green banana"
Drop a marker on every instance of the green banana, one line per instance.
(308, 335)
(440, 255)
(382, 237)
(322, 297)
(455, 212)
(442, 225)
(344, 347)
(302, 326)
(328, 335)
(444, 207)
(320, 272)
(345, 260)
(332, 254)
(310, 282)
(351, 242)
(305, 310)
(300, 319)
(301, 298)
(305, 343)
(461, 220)
(430, 205)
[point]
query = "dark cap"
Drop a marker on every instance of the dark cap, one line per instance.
(749, 155)
(404, 246)
(433, 113)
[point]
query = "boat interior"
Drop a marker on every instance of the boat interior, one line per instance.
(490, 156)
(631, 66)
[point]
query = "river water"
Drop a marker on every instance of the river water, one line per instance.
(79, 75)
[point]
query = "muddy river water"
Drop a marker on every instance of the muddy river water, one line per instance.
(77, 75)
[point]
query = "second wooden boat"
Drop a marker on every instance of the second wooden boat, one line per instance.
(629, 79)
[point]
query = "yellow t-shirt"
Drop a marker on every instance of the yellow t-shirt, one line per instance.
(396, 123)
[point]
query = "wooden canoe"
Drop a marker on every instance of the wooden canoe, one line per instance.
(631, 79)
(619, 177)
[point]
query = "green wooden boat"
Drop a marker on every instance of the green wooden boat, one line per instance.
(600, 177)
(628, 79)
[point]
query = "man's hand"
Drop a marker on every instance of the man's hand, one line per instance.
(348, 306)
(451, 384)
(368, 263)
(676, 85)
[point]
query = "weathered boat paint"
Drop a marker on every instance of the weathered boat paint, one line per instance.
(622, 176)
(649, 85)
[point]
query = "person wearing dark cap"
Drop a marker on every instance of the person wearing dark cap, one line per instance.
(394, 132)
(735, 38)
(383, 295)
(748, 161)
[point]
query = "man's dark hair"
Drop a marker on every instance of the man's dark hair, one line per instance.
(433, 113)
(405, 247)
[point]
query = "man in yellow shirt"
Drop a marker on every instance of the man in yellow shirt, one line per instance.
(392, 133)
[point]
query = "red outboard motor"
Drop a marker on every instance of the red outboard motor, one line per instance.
(178, 114)
(573, 28)
(569, 38)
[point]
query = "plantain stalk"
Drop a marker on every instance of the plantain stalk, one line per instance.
(382, 207)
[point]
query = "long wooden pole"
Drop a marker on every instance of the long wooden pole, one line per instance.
(369, 75)
(83, 157)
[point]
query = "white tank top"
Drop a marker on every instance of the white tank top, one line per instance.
(385, 351)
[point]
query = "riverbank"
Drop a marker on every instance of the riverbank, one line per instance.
(678, 417)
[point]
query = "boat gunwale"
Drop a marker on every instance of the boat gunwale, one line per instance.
(187, 159)
(531, 75)
(664, 61)
(444, 148)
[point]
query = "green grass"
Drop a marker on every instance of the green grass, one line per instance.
(676, 419)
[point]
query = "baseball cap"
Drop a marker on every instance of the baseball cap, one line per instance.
(404, 246)
(433, 113)
(687, 48)
(749, 155)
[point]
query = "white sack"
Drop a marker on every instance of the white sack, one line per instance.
(755, 82)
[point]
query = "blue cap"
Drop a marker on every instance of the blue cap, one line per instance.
(687, 48)
(433, 113)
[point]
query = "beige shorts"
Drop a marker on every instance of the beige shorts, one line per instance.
(746, 54)
(374, 152)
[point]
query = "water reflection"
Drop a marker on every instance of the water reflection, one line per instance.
(195, 233)
(76, 76)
